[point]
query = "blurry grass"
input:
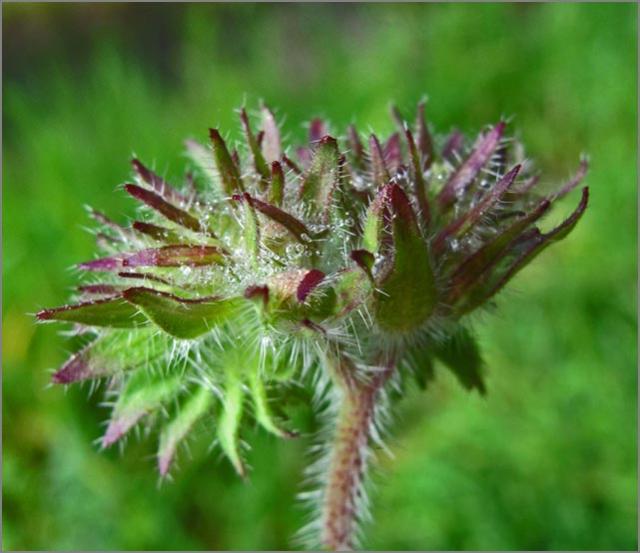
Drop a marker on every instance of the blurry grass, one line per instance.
(546, 461)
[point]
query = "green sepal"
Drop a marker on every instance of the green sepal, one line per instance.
(322, 176)
(259, 162)
(374, 224)
(205, 162)
(231, 417)
(280, 364)
(419, 185)
(192, 409)
(321, 305)
(378, 167)
(520, 253)
(406, 293)
(486, 257)
(286, 304)
(425, 141)
(113, 312)
(271, 142)
(180, 317)
(276, 187)
(227, 169)
(251, 233)
(112, 353)
(351, 289)
(262, 409)
(145, 391)
(345, 206)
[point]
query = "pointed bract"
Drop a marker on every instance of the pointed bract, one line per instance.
(322, 176)
(143, 393)
(483, 149)
(259, 163)
(379, 169)
(291, 223)
(271, 143)
(227, 168)
(406, 288)
(194, 408)
(114, 312)
(177, 255)
(171, 212)
(425, 141)
(230, 419)
(180, 317)
(160, 185)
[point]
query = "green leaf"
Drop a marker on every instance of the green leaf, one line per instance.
(460, 353)
(194, 408)
(111, 312)
(419, 359)
(183, 318)
(144, 392)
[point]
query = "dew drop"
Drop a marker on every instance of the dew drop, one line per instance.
(378, 260)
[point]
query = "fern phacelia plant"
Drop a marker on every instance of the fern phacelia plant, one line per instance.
(341, 268)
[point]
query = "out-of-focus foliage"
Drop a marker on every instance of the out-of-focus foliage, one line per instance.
(546, 461)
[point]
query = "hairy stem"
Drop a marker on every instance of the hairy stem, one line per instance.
(344, 491)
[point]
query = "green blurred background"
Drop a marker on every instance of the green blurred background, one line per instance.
(547, 461)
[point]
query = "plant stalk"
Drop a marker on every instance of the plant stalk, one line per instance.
(344, 489)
